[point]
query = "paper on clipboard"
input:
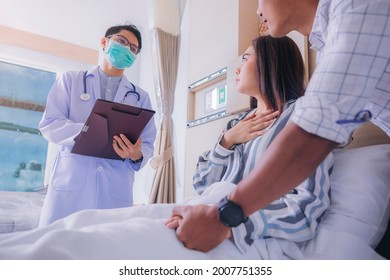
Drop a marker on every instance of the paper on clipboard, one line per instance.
(106, 120)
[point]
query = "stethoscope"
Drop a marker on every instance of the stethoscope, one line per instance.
(85, 96)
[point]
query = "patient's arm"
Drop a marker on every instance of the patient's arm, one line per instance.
(212, 165)
(210, 168)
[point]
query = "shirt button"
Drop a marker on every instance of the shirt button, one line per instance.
(100, 169)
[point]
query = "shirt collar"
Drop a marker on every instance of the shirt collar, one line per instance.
(106, 77)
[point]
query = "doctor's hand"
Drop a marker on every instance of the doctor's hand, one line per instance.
(248, 128)
(198, 227)
(125, 149)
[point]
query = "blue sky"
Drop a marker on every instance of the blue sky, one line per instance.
(25, 83)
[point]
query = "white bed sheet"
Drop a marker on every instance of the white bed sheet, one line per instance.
(139, 233)
(345, 232)
(19, 211)
(130, 233)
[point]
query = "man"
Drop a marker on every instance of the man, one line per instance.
(82, 182)
(351, 85)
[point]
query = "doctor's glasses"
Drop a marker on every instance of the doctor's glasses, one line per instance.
(124, 42)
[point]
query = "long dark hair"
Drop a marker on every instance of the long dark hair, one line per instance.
(280, 70)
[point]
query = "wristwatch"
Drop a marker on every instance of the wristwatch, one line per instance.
(230, 213)
(137, 160)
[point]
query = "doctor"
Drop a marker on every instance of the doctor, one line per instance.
(81, 182)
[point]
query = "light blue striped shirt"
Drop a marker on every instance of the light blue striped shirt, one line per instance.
(352, 38)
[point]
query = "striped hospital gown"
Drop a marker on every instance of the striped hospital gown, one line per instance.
(294, 216)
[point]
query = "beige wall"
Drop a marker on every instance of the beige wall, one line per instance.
(26, 40)
(219, 31)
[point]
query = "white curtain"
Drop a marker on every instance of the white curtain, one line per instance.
(165, 16)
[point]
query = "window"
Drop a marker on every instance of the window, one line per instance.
(23, 94)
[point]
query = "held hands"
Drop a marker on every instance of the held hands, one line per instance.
(125, 149)
(198, 227)
(250, 127)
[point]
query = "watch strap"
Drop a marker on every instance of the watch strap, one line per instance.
(137, 160)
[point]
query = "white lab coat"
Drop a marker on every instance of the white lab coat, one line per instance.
(81, 182)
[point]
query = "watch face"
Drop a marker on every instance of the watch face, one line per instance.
(231, 215)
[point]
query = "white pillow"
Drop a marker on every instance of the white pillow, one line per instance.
(360, 193)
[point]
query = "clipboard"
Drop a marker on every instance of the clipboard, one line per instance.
(106, 120)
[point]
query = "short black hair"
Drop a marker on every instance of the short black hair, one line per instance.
(129, 27)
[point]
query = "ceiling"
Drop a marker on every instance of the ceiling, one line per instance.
(79, 22)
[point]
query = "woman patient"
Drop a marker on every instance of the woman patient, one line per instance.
(272, 74)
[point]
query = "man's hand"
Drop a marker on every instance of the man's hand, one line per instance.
(198, 227)
(125, 149)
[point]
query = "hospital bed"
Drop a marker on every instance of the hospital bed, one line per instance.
(352, 227)
(19, 211)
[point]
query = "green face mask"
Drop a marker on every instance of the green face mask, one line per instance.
(119, 56)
